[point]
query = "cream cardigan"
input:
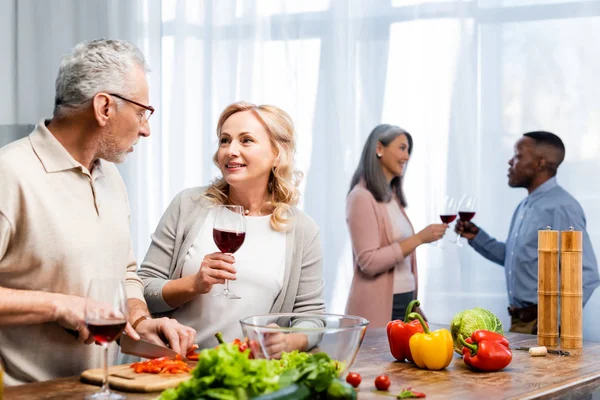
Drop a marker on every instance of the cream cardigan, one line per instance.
(302, 289)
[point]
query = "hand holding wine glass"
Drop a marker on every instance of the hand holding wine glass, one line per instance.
(105, 317)
(466, 211)
(432, 232)
(215, 269)
(229, 232)
(468, 230)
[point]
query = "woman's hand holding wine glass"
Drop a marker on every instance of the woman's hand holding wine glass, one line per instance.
(432, 232)
(214, 270)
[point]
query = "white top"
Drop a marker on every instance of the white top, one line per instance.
(260, 265)
(404, 279)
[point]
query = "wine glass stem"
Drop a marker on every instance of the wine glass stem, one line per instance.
(105, 388)
(226, 285)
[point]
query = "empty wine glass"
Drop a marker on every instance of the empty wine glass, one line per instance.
(466, 211)
(447, 214)
(229, 232)
(105, 318)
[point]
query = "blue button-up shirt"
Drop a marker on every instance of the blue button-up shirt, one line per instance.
(548, 205)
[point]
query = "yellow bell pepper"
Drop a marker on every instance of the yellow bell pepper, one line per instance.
(431, 350)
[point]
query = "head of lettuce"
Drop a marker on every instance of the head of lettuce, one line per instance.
(466, 322)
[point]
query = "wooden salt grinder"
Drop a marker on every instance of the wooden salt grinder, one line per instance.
(571, 290)
(547, 334)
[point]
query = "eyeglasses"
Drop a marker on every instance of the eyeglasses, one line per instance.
(148, 110)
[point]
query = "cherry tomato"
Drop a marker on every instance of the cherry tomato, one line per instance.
(354, 379)
(382, 382)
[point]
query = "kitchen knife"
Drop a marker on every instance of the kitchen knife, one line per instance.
(144, 348)
(551, 351)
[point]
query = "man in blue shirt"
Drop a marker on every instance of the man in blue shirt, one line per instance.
(533, 167)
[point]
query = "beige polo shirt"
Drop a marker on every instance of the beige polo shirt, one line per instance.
(59, 227)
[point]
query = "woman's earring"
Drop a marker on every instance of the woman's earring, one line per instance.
(378, 155)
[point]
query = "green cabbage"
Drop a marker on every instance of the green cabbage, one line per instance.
(468, 321)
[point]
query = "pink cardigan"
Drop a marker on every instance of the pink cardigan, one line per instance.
(375, 255)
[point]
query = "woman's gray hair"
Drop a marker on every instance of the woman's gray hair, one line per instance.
(369, 166)
(102, 65)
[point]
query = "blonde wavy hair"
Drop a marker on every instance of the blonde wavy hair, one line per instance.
(284, 179)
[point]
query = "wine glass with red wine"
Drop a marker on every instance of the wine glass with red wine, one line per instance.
(466, 211)
(447, 214)
(229, 232)
(106, 317)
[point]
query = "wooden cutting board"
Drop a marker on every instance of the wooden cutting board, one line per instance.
(122, 377)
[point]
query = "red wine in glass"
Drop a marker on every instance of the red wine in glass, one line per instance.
(447, 213)
(466, 215)
(228, 241)
(105, 317)
(466, 211)
(229, 233)
(106, 331)
(446, 219)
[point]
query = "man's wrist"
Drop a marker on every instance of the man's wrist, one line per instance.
(137, 309)
(139, 320)
(54, 300)
(475, 234)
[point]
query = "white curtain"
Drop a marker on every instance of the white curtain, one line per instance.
(466, 78)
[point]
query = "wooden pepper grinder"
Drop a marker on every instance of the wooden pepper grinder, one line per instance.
(571, 289)
(547, 334)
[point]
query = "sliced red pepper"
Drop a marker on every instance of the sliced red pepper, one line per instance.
(161, 365)
(399, 334)
(486, 351)
(192, 354)
(408, 393)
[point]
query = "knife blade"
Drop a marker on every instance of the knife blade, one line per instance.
(144, 348)
(551, 351)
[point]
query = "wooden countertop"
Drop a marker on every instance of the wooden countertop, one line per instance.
(526, 377)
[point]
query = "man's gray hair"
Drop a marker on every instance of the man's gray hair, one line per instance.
(102, 65)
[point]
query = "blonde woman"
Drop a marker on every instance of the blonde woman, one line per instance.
(279, 266)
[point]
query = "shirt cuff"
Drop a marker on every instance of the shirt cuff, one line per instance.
(134, 291)
(313, 338)
(480, 238)
(153, 291)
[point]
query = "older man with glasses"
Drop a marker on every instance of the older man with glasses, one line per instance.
(64, 217)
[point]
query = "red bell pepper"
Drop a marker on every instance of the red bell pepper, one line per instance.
(399, 333)
(486, 351)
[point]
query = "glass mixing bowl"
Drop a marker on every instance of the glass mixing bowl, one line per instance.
(339, 336)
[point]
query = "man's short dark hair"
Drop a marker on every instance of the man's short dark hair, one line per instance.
(550, 146)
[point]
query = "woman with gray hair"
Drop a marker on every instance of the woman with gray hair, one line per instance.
(383, 239)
